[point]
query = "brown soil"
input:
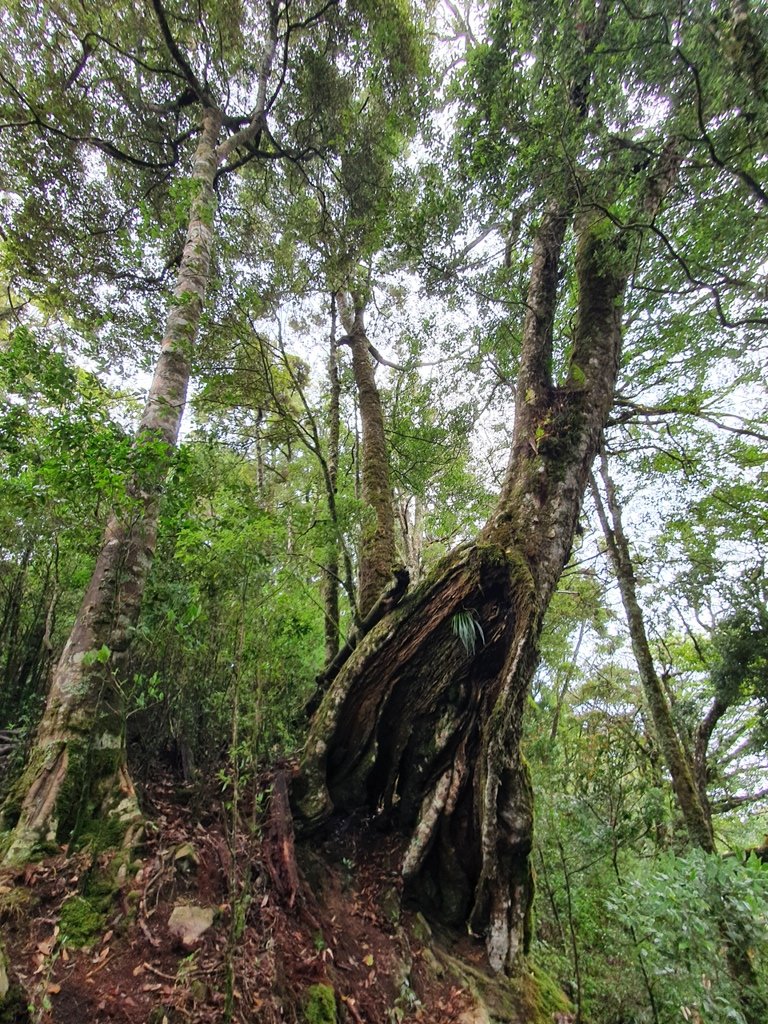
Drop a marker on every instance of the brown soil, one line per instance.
(329, 914)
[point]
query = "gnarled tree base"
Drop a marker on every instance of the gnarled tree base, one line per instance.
(75, 790)
(422, 727)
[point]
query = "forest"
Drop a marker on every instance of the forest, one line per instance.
(384, 511)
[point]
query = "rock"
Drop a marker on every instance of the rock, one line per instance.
(188, 923)
(4, 981)
(186, 858)
(13, 998)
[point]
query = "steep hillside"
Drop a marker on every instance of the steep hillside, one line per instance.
(205, 923)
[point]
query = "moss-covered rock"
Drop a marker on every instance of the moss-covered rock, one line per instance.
(320, 1007)
(543, 998)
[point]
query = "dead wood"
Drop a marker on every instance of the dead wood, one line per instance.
(279, 848)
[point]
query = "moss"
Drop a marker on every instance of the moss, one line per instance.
(421, 929)
(320, 1007)
(102, 888)
(100, 834)
(496, 994)
(77, 806)
(490, 556)
(541, 997)
(563, 438)
(10, 812)
(531, 997)
(81, 921)
(6, 838)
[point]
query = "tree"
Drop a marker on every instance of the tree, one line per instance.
(691, 799)
(64, 458)
(162, 70)
(423, 723)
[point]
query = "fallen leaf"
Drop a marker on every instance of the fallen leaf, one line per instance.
(368, 960)
(137, 970)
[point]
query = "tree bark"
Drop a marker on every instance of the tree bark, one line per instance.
(693, 807)
(378, 551)
(76, 771)
(423, 726)
(331, 573)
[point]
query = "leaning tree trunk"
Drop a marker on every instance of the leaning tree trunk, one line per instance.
(76, 771)
(423, 722)
(691, 801)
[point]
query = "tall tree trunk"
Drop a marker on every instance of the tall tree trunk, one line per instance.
(378, 554)
(692, 805)
(412, 534)
(423, 722)
(331, 572)
(76, 771)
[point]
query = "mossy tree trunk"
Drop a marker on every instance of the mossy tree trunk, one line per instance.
(76, 770)
(378, 551)
(423, 722)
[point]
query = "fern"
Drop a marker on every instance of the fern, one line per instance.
(466, 627)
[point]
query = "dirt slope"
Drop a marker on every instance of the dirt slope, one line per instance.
(311, 933)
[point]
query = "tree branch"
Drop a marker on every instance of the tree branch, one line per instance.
(191, 78)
